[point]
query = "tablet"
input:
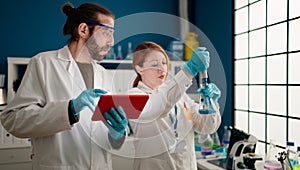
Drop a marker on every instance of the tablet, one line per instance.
(133, 104)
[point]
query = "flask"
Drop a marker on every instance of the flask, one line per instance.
(271, 161)
(226, 135)
(291, 153)
(119, 56)
(129, 52)
(297, 165)
(190, 44)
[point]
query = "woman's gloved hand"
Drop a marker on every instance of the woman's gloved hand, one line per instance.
(199, 62)
(116, 121)
(88, 98)
(211, 91)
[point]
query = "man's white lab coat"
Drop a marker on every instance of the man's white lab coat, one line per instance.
(40, 111)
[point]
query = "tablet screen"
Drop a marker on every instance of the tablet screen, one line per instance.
(133, 104)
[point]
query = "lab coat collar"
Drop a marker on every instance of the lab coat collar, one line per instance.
(144, 87)
(72, 68)
(65, 54)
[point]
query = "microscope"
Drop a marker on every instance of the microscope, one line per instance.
(241, 151)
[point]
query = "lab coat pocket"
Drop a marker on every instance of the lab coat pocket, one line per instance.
(181, 146)
(49, 167)
(179, 158)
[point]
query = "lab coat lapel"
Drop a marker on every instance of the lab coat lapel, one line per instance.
(100, 74)
(72, 68)
(78, 81)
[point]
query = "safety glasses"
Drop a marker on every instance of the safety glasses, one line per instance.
(155, 64)
(107, 31)
(101, 25)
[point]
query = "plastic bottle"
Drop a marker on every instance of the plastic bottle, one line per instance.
(291, 153)
(119, 56)
(129, 52)
(226, 135)
(190, 44)
(225, 147)
(197, 143)
(297, 166)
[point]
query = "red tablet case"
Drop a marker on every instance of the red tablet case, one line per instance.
(132, 104)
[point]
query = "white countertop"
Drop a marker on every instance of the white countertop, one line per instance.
(202, 164)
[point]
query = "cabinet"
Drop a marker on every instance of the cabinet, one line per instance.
(15, 157)
(14, 152)
(121, 70)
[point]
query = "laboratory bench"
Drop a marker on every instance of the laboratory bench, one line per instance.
(205, 164)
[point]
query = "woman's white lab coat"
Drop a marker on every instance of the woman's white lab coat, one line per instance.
(158, 148)
(39, 110)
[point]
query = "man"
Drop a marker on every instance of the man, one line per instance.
(58, 95)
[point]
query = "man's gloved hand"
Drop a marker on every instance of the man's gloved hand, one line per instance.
(88, 98)
(199, 62)
(211, 91)
(116, 122)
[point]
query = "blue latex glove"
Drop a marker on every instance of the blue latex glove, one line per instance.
(88, 98)
(116, 122)
(211, 91)
(199, 62)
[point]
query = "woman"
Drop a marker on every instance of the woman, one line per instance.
(167, 142)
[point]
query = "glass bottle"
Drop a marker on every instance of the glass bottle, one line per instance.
(129, 52)
(111, 55)
(119, 56)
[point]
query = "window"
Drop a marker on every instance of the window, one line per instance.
(266, 70)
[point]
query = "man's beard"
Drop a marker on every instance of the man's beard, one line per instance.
(96, 56)
(95, 50)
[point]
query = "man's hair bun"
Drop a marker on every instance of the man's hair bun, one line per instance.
(68, 9)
